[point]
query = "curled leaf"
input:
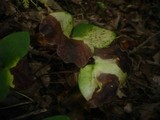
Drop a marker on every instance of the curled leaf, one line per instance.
(109, 66)
(72, 51)
(23, 78)
(50, 31)
(107, 91)
(115, 52)
(66, 21)
(98, 82)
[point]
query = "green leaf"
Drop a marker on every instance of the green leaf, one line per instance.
(86, 82)
(13, 47)
(109, 66)
(88, 77)
(66, 21)
(58, 117)
(93, 35)
(6, 79)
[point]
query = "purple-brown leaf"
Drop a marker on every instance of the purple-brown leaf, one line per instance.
(115, 52)
(73, 51)
(51, 29)
(107, 91)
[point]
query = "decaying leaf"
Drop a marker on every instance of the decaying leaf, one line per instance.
(115, 52)
(50, 30)
(108, 89)
(99, 82)
(72, 51)
(66, 21)
(23, 78)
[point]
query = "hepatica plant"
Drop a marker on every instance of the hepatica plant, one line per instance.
(97, 81)
(12, 48)
(101, 80)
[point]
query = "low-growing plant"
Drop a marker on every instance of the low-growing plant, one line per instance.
(101, 79)
(12, 48)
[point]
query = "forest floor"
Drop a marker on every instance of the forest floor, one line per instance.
(46, 86)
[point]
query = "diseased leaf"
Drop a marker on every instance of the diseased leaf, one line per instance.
(50, 31)
(99, 82)
(107, 91)
(90, 78)
(109, 66)
(115, 52)
(66, 21)
(23, 77)
(13, 47)
(93, 36)
(72, 51)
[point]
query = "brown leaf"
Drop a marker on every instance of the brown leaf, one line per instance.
(73, 51)
(115, 52)
(107, 91)
(51, 30)
(23, 77)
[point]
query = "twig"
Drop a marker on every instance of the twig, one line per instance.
(15, 105)
(39, 111)
(24, 96)
(145, 42)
